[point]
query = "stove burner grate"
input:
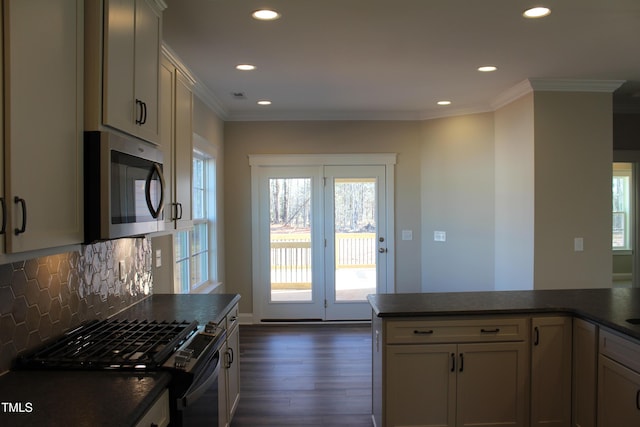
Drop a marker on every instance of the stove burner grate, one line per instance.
(112, 344)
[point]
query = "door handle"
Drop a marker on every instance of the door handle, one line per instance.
(4, 216)
(23, 203)
(382, 250)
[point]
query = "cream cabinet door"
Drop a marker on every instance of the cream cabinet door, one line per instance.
(131, 66)
(421, 385)
(492, 384)
(176, 138)
(232, 368)
(183, 166)
(585, 368)
(551, 371)
(618, 395)
(43, 66)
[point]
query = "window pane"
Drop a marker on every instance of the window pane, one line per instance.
(199, 188)
(182, 276)
(199, 269)
(199, 238)
(290, 235)
(181, 246)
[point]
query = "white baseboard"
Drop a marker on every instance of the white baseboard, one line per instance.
(246, 318)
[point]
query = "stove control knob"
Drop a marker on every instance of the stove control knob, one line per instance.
(210, 328)
(182, 359)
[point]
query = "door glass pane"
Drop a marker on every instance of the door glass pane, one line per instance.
(290, 239)
(355, 238)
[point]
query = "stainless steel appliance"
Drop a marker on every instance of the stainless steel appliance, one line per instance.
(123, 185)
(188, 351)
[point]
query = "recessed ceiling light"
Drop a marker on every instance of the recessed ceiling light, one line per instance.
(245, 67)
(264, 102)
(487, 68)
(536, 12)
(444, 102)
(265, 15)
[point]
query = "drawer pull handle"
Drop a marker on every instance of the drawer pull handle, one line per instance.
(490, 331)
(428, 332)
(638, 400)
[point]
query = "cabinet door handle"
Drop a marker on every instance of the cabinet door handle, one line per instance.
(490, 331)
(638, 400)
(23, 203)
(427, 332)
(144, 113)
(4, 216)
(178, 210)
(461, 362)
(536, 335)
(453, 362)
(139, 111)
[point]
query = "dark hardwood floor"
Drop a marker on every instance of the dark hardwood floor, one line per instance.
(304, 375)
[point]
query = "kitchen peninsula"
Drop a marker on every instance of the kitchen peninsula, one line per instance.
(514, 358)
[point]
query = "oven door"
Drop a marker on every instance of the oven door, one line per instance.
(198, 406)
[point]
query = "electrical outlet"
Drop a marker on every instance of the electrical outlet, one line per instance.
(440, 236)
(122, 273)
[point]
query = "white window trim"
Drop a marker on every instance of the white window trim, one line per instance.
(202, 145)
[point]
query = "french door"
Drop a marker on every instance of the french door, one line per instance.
(320, 241)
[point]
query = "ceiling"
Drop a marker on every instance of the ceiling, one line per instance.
(394, 59)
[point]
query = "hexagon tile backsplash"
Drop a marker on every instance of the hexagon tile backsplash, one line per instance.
(43, 297)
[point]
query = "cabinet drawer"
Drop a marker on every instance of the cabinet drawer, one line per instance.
(232, 318)
(443, 331)
(622, 350)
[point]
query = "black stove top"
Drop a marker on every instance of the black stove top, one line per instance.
(112, 344)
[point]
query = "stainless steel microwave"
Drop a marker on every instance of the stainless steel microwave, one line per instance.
(123, 187)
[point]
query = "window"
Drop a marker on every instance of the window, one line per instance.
(195, 249)
(621, 197)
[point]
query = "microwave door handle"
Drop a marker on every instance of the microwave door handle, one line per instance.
(155, 170)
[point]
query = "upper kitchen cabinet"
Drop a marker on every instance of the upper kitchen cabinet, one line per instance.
(176, 90)
(42, 120)
(123, 65)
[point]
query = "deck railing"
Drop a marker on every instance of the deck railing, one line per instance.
(291, 257)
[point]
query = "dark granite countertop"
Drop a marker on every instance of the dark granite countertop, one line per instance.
(608, 307)
(78, 398)
(103, 398)
(203, 308)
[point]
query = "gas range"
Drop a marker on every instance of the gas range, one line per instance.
(137, 345)
(188, 351)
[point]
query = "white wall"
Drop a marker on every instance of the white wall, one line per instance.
(514, 195)
(457, 197)
(573, 168)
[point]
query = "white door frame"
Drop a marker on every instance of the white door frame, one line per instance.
(256, 161)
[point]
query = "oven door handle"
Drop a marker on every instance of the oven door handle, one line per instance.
(198, 388)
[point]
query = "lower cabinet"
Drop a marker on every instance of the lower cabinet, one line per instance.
(618, 382)
(551, 371)
(158, 414)
(453, 383)
(229, 379)
(585, 373)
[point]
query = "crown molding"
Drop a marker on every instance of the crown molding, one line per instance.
(575, 85)
(515, 92)
(199, 89)
(160, 4)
